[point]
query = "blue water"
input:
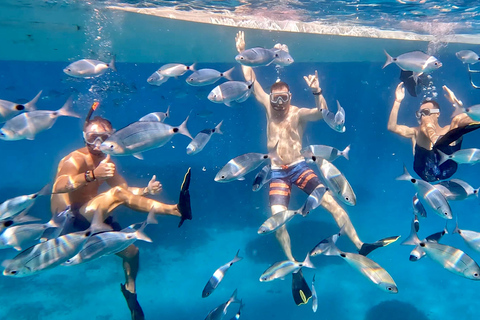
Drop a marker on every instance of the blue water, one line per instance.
(176, 266)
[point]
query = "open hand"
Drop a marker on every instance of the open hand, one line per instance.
(451, 96)
(240, 41)
(154, 186)
(312, 82)
(400, 92)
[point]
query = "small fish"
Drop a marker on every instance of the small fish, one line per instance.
(205, 77)
(262, 177)
(416, 223)
(283, 58)
(471, 238)
(277, 220)
(13, 207)
(27, 125)
(456, 189)
(326, 152)
(314, 296)
(256, 57)
(336, 181)
(23, 236)
(335, 121)
(471, 192)
(218, 275)
(141, 136)
(219, 312)
(416, 61)
(156, 116)
(418, 208)
(467, 56)
(157, 79)
(429, 194)
(87, 68)
(238, 167)
(313, 200)
(417, 252)
(8, 109)
(231, 92)
(324, 246)
(202, 138)
(463, 156)
(175, 69)
(450, 258)
(237, 315)
(473, 111)
(284, 268)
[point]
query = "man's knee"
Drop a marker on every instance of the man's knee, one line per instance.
(130, 252)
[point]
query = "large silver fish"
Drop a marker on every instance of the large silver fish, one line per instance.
(467, 56)
(141, 136)
(462, 156)
(283, 268)
(335, 181)
(175, 69)
(231, 92)
(87, 68)
(335, 121)
(12, 207)
(432, 196)
(205, 77)
(326, 152)
(27, 125)
(450, 258)
(202, 138)
(238, 167)
(416, 61)
(218, 275)
(219, 312)
(262, 177)
(256, 57)
(8, 109)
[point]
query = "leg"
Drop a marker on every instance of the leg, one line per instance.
(279, 198)
(130, 258)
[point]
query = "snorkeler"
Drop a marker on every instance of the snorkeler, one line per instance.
(79, 176)
(429, 136)
(285, 126)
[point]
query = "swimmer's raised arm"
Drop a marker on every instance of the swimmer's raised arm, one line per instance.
(314, 114)
(393, 126)
(249, 74)
(70, 174)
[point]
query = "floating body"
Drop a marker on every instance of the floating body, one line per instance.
(256, 57)
(231, 92)
(416, 61)
(336, 181)
(284, 268)
(467, 56)
(326, 152)
(217, 276)
(8, 109)
(204, 77)
(262, 177)
(87, 68)
(335, 121)
(202, 138)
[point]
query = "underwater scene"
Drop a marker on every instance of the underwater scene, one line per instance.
(239, 160)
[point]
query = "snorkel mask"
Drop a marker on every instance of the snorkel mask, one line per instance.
(280, 100)
(425, 112)
(94, 139)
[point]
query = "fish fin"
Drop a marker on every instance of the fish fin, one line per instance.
(151, 218)
(412, 238)
(184, 206)
(237, 258)
(443, 157)
(30, 137)
(18, 248)
(182, 129)
(97, 225)
(228, 74)
(140, 235)
(456, 230)
(5, 263)
(300, 290)
(50, 233)
(307, 262)
(369, 247)
(138, 156)
(44, 191)
(217, 128)
(233, 298)
(416, 75)
(389, 59)
(31, 105)
(167, 113)
(241, 178)
(405, 176)
(192, 67)
(228, 103)
(111, 64)
(274, 154)
(345, 152)
(66, 111)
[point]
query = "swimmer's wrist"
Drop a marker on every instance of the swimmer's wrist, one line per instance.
(145, 190)
(317, 93)
(89, 176)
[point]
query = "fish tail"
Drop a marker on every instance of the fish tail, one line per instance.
(31, 105)
(182, 129)
(405, 176)
(140, 235)
(237, 258)
(233, 298)
(345, 152)
(192, 67)
(151, 219)
(307, 262)
(444, 157)
(228, 74)
(66, 109)
(111, 65)
(389, 59)
(412, 239)
(167, 113)
(475, 191)
(217, 128)
(456, 230)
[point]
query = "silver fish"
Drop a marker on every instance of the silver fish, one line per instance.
(12, 207)
(156, 116)
(27, 125)
(462, 156)
(326, 152)
(283, 58)
(418, 208)
(471, 192)
(262, 177)
(472, 111)
(87, 68)
(324, 246)
(8, 109)
(231, 92)
(336, 181)
(314, 296)
(238, 167)
(313, 200)
(219, 312)
(23, 236)
(335, 121)
(256, 57)
(418, 253)
(202, 138)
(471, 238)
(238, 314)
(175, 69)
(218, 275)
(284, 268)
(416, 61)
(277, 220)
(456, 189)
(205, 77)
(157, 79)
(467, 56)
(141, 136)
(450, 258)
(18, 219)
(432, 196)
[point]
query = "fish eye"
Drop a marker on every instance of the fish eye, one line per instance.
(68, 69)
(475, 274)
(111, 146)
(241, 58)
(223, 177)
(13, 272)
(389, 288)
(413, 180)
(346, 198)
(446, 213)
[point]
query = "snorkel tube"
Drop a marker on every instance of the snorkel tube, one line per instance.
(89, 115)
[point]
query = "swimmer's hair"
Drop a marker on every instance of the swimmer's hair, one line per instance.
(435, 103)
(107, 125)
(279, 85)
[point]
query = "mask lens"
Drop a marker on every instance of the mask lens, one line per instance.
(280, 96)
(92, 137)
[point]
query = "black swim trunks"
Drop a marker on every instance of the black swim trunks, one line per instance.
(426, 163)
(79, 223)
(299, 174)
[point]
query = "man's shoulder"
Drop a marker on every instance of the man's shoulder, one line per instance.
(79, 154)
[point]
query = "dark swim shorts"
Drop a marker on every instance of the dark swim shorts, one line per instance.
(79, 223)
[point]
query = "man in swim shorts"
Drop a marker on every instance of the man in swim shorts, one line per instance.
(79, 176)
